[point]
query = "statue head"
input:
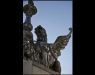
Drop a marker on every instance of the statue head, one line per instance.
(41, 33)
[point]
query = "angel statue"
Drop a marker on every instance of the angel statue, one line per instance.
(55, 48)
(61, 42)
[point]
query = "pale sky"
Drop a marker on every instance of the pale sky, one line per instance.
(56, 18)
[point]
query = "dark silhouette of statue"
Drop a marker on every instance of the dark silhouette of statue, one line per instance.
(61, 42)
(29, 10)
(56, 66)
(41, 44)
(41, 34)
(55, 48)
(41, 51)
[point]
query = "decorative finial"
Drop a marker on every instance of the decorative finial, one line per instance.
(29, 9)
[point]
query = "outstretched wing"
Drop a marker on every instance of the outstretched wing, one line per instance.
(61, 42)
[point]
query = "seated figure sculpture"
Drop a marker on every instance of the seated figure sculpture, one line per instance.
(41, 44)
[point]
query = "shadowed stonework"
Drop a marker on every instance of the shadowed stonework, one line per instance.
(39, 56)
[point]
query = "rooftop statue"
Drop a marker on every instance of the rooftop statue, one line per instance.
(40, 50)
(29, 10)
(61, 42)
(41, 34)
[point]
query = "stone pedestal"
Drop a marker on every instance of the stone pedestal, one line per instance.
(30, 67)
(27, 67)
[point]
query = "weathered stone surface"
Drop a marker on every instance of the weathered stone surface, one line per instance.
(30, 67)
(27, 67)
(29, 10)
(40, 69)
(40, 57)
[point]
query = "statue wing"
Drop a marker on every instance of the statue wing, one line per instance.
(61, 42)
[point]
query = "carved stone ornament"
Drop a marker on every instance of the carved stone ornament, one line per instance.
(40, 50)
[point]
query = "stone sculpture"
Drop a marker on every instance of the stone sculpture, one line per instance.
(40, 50)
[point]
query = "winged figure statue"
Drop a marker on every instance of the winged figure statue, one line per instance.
(61, 42)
